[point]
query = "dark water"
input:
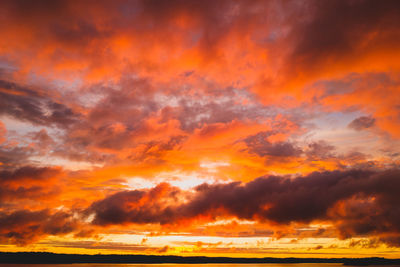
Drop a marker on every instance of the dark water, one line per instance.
(182, 265)
(178, 265)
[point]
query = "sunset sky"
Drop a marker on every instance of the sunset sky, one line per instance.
(239, 128)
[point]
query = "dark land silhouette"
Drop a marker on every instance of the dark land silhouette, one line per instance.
(52, 258)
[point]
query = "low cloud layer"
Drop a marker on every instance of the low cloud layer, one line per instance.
(357, 202)
(23, 227)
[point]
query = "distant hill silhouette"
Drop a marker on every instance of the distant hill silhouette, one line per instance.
(52, 258)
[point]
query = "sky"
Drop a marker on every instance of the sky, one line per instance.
(218, 128)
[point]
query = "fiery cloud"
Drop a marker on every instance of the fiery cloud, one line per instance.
(219, 121)
(345, 199)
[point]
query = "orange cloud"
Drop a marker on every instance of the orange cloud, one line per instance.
(95, 95)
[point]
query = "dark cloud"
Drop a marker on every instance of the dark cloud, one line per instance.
(57, 21)
(39, 8)
(155, 149)
(28, 173)
(391, 240)
(362, 123)
(259, 144)
(365, 243)
(149, 205)
(322, 38)
(32, 106)
(320, 150)
(23, 226)
(15, 156)
(28, 182)
(356, 202)
(373, 210)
